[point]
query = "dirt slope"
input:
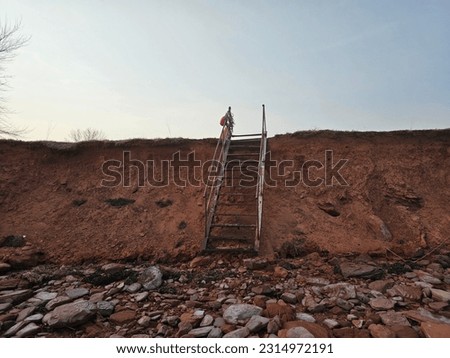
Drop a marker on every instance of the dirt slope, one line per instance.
(397, 197)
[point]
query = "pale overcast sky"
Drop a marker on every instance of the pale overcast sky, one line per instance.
(152, 69)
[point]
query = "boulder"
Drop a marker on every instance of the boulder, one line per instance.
(70, 314)
(151, 278)
(240, 312)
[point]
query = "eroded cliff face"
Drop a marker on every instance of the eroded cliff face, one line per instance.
(387, 191)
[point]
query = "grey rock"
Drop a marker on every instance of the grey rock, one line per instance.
(46, 296)
(200, 332)
(151, 278)
(381, 304)
(440, 295)
(219, 322)
(240, 312)
(75, 293)
(311, 305)
(330, 323)
(341, 290)
(172, 320)
(289, 298)
(298, 332)
(34, 318)
(208, 320)
(163, 330)
(216, 332)
(113, 268)
(184, 328)
(5, 307)
(317, 281)
(141, 296)
(256, 323)
(274, 325)
(29, 330)
(263, 290)
(15, 297)
(255, 263)
(305, 317)
(25, 313)
(392, 318)
(70, 314)
(58, 301)
(429, 279)
(144, 321)
(413, 293)
(344, 304)
(353, 269)
(14, 329)
(238, 333)
(105, 308)
(133, 288)
(97, 297)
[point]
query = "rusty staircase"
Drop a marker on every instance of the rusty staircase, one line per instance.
(234, 191)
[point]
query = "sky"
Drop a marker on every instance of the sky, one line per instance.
(156, 69)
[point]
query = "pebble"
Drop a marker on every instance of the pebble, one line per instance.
(208, 320)
(216, 332)
(289, 297)
(29, 330)
(257, 323)
(440, 295)
(381, 304)
(238, 333)
(298, 332)
(240, 312)
(46, 296)
(305, 317)
(75, 293)
(200, 332)
(331, 323)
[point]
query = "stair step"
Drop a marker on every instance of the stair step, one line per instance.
(237, 226)
(231, 168)
(241, 154)
(249, 140)
(246, 135)
(243, 146)
(238, 194)
(235, 214)
(227, 238)
(236, 204)
(228, 250)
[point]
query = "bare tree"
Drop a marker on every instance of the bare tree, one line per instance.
(84, 135)
(10, 42)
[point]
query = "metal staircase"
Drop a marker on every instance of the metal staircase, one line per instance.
(234, 190)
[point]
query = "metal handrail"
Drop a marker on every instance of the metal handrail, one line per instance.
(211, 191)
(261, 180)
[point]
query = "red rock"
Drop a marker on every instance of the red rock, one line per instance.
(200, 261)
(285, 312)
(404, 332)
(122, 317)
(280, 272)
(380, 331)
(435, 330)
(316, 330)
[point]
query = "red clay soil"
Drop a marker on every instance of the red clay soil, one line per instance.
(397, 198)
